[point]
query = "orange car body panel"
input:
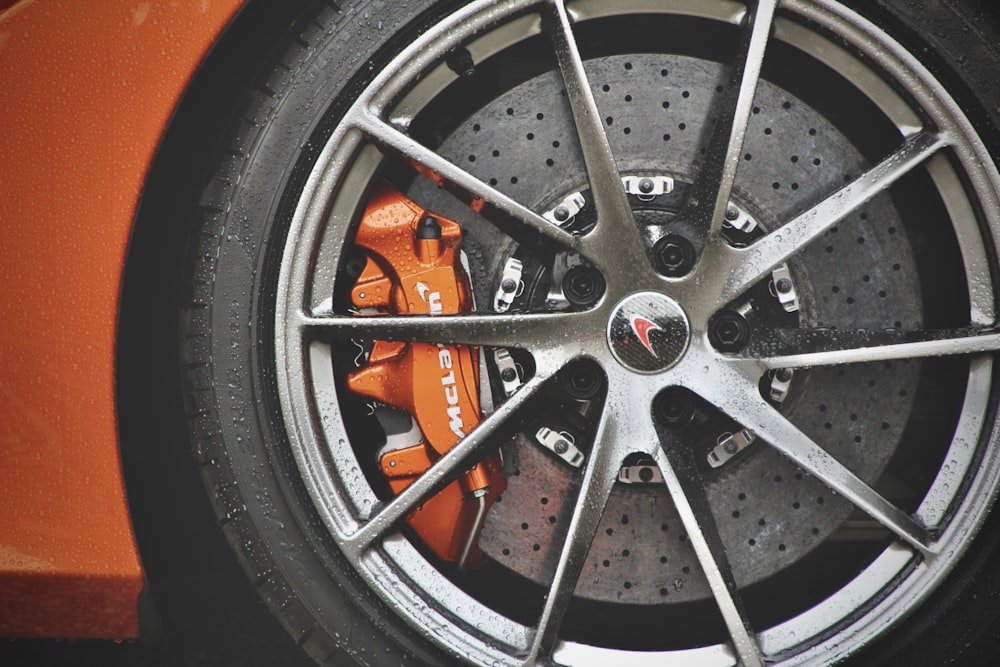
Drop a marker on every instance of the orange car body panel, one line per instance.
(88, 91)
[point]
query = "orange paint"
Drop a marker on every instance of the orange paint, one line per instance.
(88, 90)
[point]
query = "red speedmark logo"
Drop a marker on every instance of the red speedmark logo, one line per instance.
(642, 327)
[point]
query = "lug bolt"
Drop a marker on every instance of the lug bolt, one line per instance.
(783, 375)
(674, 256)
(508, 285)
(732, 213)
(583, 381)
(508, 375)
(561, 213)
(561, 446)
(646, 186)
(783, 285)
(646, 474)
(728, 331)
(673, 408)
(583, 285)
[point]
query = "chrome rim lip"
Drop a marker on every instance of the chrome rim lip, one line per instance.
(301, 379)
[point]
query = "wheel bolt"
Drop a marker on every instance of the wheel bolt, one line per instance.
(783, 285)
(674, 256)
(508, 285)
(732, 213)
(583, 381)
(561, 213)
(728, 331)
(673, 408)
(583, 285)
(646, 186)
(508, 375)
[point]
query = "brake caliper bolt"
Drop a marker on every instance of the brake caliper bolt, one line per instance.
(354, 266)
(428, 229)
(729, 331)
(646, 186)
(583, 285)
(561, 213)
(674, 256)
(783, 285)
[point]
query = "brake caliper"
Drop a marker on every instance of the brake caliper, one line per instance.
(414, 267)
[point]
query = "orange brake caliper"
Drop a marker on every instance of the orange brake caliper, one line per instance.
(413, 267)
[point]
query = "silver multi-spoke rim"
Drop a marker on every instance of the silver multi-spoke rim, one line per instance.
(924, 544)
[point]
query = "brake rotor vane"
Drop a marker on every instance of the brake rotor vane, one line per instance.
(414, 267)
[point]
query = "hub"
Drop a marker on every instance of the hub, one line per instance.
(648, 332)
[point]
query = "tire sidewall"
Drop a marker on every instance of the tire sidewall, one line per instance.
(265, 509)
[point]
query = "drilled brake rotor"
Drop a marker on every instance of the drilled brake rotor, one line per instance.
(657, 112)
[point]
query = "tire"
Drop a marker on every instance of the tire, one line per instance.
(728, 394)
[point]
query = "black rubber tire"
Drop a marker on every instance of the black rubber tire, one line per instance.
(959, 40)
(235, 424)
(236, 429)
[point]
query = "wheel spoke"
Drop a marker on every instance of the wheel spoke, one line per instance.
(740, 268)
(388, 135)
(714, 186)
(730, 393)
(528, 330)
(438, 475)
(615, 221)
(802, 348)
(687, 490)
(598, 480)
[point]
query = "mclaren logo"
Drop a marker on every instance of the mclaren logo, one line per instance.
(450, 385)
(642, 327)
(432, 299)
(633, 324)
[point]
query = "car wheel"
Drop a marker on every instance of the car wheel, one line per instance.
(586, 333)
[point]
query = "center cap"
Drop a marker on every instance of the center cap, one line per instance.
(648, 332)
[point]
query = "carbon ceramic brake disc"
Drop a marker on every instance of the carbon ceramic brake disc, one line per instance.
(770, 513)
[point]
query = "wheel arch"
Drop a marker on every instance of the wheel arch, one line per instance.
(171, 517)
